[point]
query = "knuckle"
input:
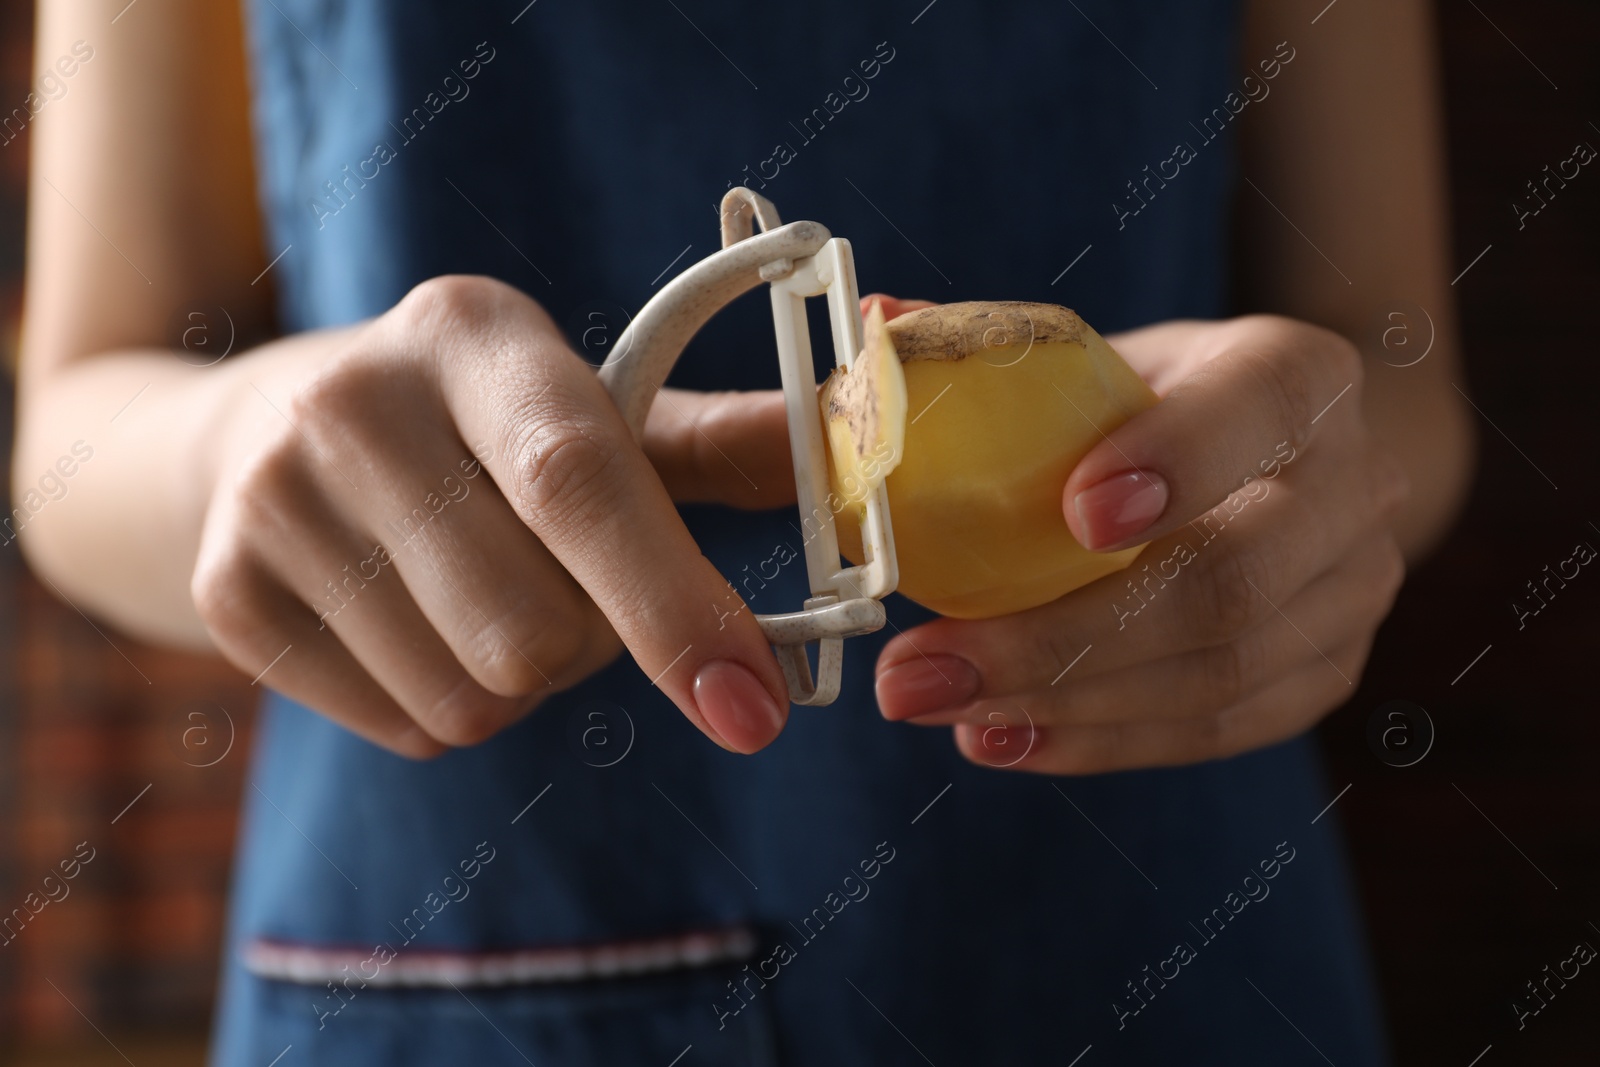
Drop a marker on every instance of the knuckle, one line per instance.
(458, 324)
(268, 491)
(565, 468)
(416, 747)
(524, 656)
(1303, 357)
(225, 589)
(215, 587)
(353, 407)
(1339, 355)
(1289, 386)
(501, 669)
(329, 404)
(1346, 359)
(1048, 654)
(1231, 596)
(323, 399)
(456, 302)
(467, 715)
(269, 474)
(1228, 672)
(460, 730)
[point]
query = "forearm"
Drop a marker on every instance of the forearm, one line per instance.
(1345, 223)
(1431, 433)
(1412, 391)
(142, 435)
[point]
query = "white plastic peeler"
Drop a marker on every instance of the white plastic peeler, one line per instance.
(799, 260)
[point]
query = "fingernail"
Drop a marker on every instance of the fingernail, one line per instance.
(1118, 508)
(736, 705)
(926, 684)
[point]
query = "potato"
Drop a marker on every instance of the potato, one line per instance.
(1000, 401)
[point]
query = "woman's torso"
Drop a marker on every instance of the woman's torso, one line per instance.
(582, 160)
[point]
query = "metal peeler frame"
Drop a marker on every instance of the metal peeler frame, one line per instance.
(798, 260)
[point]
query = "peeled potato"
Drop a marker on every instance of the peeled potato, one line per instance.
(993, 405)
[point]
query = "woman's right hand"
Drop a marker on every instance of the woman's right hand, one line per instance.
(354, 558)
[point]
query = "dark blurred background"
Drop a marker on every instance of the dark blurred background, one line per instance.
(1478, 865)
(1458, 918)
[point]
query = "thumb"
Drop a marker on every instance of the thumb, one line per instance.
(1238, 419)
(730, 447)
(721, 448)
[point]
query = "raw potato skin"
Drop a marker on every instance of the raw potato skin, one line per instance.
(955, 331)
(864, 410)
(1003, 400)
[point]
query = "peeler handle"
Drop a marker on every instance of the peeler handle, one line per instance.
(645, 353)
(843, 601)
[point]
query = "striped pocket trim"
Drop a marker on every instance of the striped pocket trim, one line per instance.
(382, 966)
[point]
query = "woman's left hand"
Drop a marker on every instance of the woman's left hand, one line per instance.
(1271, 563)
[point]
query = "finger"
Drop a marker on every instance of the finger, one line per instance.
(507, 611)
(1282, 711)
(1256, 403)
(733, 447)
(1335, 611)
(270, 634)
(722, 448)
(894, 307)
(377, 620)
(1192, 590)
(568, 464)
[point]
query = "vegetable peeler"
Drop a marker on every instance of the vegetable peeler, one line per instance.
(797, 260)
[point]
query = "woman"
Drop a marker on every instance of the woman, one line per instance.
(403, 502)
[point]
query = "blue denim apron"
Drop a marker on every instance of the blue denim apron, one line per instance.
(601, 885)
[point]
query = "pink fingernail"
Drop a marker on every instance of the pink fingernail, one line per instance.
(736, 705)
(926, 684)
(1119, 508)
